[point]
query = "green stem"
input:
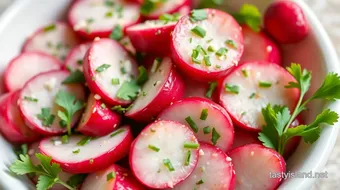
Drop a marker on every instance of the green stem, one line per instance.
(69, 128)
(65, 184)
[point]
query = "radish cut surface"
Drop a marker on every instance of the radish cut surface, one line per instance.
(250, 87)
(27, 65)
(158, 157)
(39, 94)
(75, 58)
(214, 171)
(254, 165)
(170, 7)
(55, 39)
(190, 47)
(210, 122)
(78, 157)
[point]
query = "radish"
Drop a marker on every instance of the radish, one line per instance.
(163, 87)
(83, 154)
(74, 60)
(55, 39)
(250, 87)
(113, 177)
(257, 167)
(210, 122)
(97, 18)
(37, 102)
(214, 171)
(195, 88)
(259, 47)
(27, 65)
(243, 137)
(107, 65)
(206, 49)
(12, 126)
(164, 154)
(159, 8)
(98, 119)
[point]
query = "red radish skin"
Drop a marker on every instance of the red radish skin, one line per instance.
(259, 47)
(123, 179)
(98, 21)
(170, 7)
(12, 126)
(55, 39)
(98, 154)
(110, 52)
(243, 137)
(27, 65)
(214, 168)
(74, 60)
(264, 161)
(217, 118)
(98, 119)
(44, 88)
(219, 27)
(163, 88)
(247, 77)
(286, 22)
(195, 88)
(147, 164)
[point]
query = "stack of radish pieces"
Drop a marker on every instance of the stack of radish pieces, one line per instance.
(184, 111)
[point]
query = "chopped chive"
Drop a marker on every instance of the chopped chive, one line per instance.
(115, 81)
(200, 182)
(191, 145)
(168, 164)
(212, 87)
(199, 31)
(64, 139)
(76, 151)
(109, 3)
(102, 68)
(207, 60)
(208, 41)
(50, 28)
(211, 49)
(109, 14)
(232, 88)
(264, 84)
(103, 106)
(30, 99)
(243, 113)
(192, 124)
(245, 73)
(200, 49)
(154, 148)
(117, 132)
(190, 40)
(215, 136)
(204, 114)
(123, 70)
(144, 93)
(117, 33)
(187, 158)
(198, 15)
(84, 141)
(195, 53)
(110, 176)
(221, 52)
(80, 62)
(89, 20)
(231, 43)
(252, 95)
(218, 66)
(206, 130)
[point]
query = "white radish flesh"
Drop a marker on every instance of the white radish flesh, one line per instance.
(74, 60)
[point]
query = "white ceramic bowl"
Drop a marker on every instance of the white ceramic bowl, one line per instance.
(315, 53)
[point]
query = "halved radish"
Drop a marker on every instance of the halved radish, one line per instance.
(27, 65)
(162, 7)
(55, 39)
(98, 119)
(75, 58)
(210, 122)
(250, 87)
(214, 171)
(83, 154)
(257, 167)
(93, 18)
(205, 50)
(164, 154)
(106, 61)
(12, 126)
(37, 102)
(163, 87)
(259, 47)
(113, 177)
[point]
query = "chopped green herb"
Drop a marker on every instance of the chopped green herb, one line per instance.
(231, 43)
(142, 75)
(84, 141)
(190, 40)
(144, 93)
(215, 136)
(50, 28)
(206, 130)
(123, 70)
(212, 87)
(217, 66)
(76, 151)
(156, 64)
(80, 62)
(30, 99)
(208, 41)
(211, 49)
(115, 133)
(24, 149)
(46, 117)
(89, 20)
(120, 109)
(194, 56)
(169, 18)
(154, 148)
(110, 176)
(187, 158)
(245, 73)
(232, 88)
(204, 114)
(115, 81)
(62, 124)
(102, 68)
(128, 91)
(75, 77)
(108, 14)
(249, 15)
(200, 182)
(76, 180)
(191, 145)
(103, 105)
(207, 60)
(149, 6)
(199, 31)
(168, 164)
(117, 33)
(264, 84)
(109, 3)
(64, 139)
(192, 124)
(243, 113)
(221, 52)
(198, 15)
(252, 95)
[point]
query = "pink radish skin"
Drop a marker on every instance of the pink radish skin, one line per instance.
(123, 180)
(147, 164)
(217, 118)
(55, 39)
(245, 107)
(214, 168)
(253, 165)
(107, 51)
(74, 60)
(178, 6)
(98, 120)
(219, 27)
(163, 88)
(195, 88)
(44, 88)
(259, 47)
(27, 65)
(98, 154)
(12, 126)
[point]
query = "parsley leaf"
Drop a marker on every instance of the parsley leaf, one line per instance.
(46, 117)
(75, 77)
(76, 180)
(117, 33)
(330, 89)
(142, 76)
(249, 15)
(45, 182)
(128, 91)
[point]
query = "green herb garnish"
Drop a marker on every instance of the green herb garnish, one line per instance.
(30, 99)
(50, 28)
(212, 87)
(110, 176)
(198, 15)
(115, 81)
(264, 84)
(204, 114)
(234, 89)
(167, 163)
(75, 77)
(215, 136)
(128, 91)
(199, 31)
(190, 145)
(102, 68)
(84, 141)
(115, 133)
(249, 15)
(206, 130)
(154, 148)
(117, 33)
(46, 117)
(192, 124)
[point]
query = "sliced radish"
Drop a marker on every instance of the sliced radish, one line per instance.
(255, 165)
(210, 122)
(259, 47)
(38, 96)
(163, 87)
(164, 154)
(12, 126)
(250, 87)
(170, 7)
(195, 89)
(243, 137)
(98, 119)
(214, 171)
(107, 60)
(83, 154)
(113, 177)
(93, 18)
(55, 39)
(75, 58)
(27, 65)
(205, 50)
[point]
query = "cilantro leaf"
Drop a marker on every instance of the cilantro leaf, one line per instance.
(330, 89)
(303, 78)
(128, 91)
(46, 117)
(249, 15)
(142, 75)
(49, 167)
(309, 135)
(76, 180)
(75, 77)
(117, 33)
(45, 182)
(23, 166)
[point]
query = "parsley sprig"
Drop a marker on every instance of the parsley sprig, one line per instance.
(249, 15)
